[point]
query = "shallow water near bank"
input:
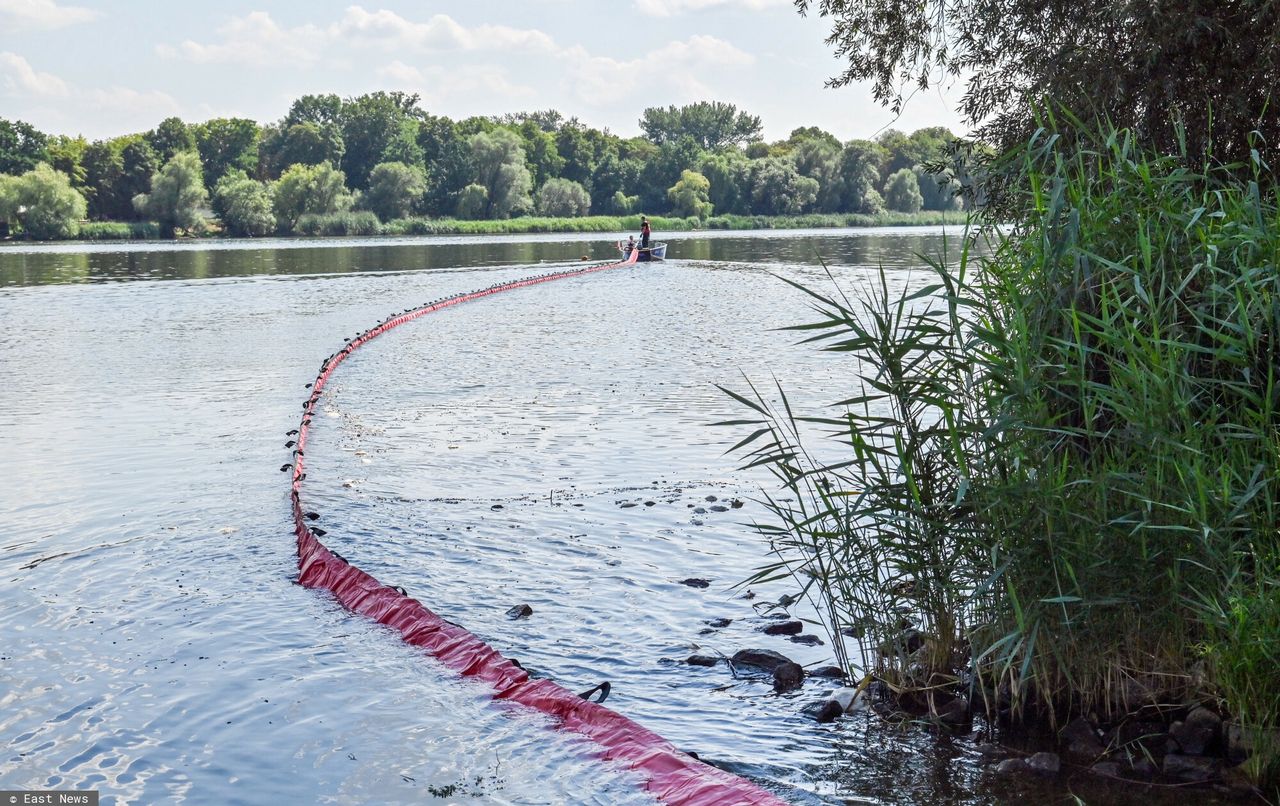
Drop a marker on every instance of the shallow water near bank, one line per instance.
(549, 447)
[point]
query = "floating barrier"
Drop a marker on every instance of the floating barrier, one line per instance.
(672, 776)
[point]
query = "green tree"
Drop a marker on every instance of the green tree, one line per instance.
(394, 188)
(711, 124)
(303, 189)
(563, 197)
(103, 170)
(473, 200)
(446, 153)
(860, 162)
(177, 194)
(729, 174)
(582, 149)
(244, 205)
(8, 204)
(321, 110)
(139, 162)
(691, 195)
(66, 155)
(227, 144)
(819, 159)
(22, 147)
(304, 143)
(902, 192)
(498, 165)
(50, 207)
(937, 190)
(663, 170)
(541, 156)
(778, 189)
(622, 204)
(1140, 64)
(171, 137)
(370, 125)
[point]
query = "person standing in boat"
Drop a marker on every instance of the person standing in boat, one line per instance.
(644, 232)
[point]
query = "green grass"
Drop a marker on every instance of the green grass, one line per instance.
(118, 230)
(836, 220)
(1063, 463)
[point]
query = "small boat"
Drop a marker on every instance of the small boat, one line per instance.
(655, 251)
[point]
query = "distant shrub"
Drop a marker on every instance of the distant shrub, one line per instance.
(347, 222)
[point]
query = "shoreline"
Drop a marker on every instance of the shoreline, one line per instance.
(138, 231)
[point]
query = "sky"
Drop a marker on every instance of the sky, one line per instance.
(105, 68)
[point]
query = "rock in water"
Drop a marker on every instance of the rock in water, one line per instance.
(694, 582)
(702, 660)
(1045, 763)
(1190, 768)
(520, 611)
(787, 677)
(783, 628)
(829, 672)
(1011, 766)
(807, 640)
(828, 712)
(764, 659)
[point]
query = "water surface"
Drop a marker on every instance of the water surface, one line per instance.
(550, 446)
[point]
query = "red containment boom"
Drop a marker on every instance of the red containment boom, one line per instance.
(671, 776)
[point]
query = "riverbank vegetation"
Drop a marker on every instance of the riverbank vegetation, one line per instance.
(1053, 498)
(380, 164)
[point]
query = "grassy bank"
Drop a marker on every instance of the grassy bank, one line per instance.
(1059, 491)
(363, 223)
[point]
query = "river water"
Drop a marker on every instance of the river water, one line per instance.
(550, 446)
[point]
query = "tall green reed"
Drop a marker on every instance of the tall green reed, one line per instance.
(1064, 462)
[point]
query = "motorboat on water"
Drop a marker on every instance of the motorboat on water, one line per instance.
(655, 251)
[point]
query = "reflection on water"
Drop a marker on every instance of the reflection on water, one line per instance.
(548, 446)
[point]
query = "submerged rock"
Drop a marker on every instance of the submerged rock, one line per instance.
(764, 659)
(828, 711)
(701, 660)
(1045, 763)
(520, 611)
(807, 640)
(954, 711)
(787, 677)
(783, 628)
(695, 582)
(1190, 768)
(719, 623)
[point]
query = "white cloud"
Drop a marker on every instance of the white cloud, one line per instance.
(400, 73)
(436, 84)
(132, 104)
(256, 40)
(21, 79)
(671, 69)
(441, 32)
(42, 14)
(671, 8)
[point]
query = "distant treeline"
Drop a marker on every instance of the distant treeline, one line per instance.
(379, 158)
